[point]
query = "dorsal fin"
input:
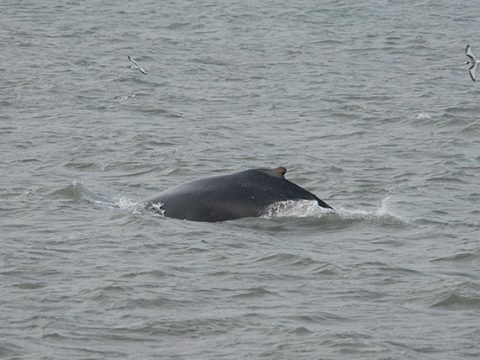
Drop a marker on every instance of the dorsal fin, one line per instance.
(279, 171)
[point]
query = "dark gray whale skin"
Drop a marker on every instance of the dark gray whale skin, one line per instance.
(219, 198)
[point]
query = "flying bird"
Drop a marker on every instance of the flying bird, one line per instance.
(472, 62)
(135, 66)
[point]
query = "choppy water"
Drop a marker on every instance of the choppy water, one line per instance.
(367, 104)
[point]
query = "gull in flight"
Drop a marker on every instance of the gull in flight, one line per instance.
(472, 62)
(135, 66)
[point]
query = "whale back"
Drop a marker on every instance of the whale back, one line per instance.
(243, 194)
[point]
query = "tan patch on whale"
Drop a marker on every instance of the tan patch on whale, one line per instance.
(279, 171)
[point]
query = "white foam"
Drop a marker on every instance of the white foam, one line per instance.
(310, 208)
(423, 116)
(158, 208)
(296, 208)
(133, 207)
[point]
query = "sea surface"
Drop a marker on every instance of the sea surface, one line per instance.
(367, 104)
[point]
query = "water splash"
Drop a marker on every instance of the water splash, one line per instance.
(297, 209)
(130, 205)
(310, 209)
(423, 116)
(384, 211)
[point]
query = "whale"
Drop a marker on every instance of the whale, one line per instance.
(243, 194)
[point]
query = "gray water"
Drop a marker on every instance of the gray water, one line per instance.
(367, 104)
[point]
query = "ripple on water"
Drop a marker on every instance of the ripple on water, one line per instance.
(462, 257)
(74, 191)
(461, 296)
(251, 293)
(153, 274)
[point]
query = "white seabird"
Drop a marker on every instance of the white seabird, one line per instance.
(472, 62)
(135, 66)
